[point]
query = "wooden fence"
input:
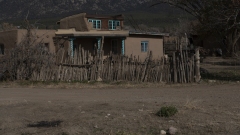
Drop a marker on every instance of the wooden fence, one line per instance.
(183, 67)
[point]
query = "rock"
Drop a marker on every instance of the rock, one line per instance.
(171, 121)
(163, 132)
(212, 81)
(172, 130)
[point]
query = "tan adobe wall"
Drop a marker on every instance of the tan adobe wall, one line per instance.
(11, 38)
(44, 36)
(8, 39)
(79, 22)
(133, 46)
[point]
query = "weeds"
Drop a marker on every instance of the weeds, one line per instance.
(64, 133)
(45, 124)
(25, 134)
(228, 75)
(191, 104)
(167, 111)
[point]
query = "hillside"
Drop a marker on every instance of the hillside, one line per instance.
(11, 9)
(49, 11)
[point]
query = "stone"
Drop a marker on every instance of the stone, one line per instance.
(171, 121)
(212, 81)
(163, 132)
(172, 130)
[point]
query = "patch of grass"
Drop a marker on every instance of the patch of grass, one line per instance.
(79, 84)
(26, 133)
(192, 104)
(167, 111)
(64, 133)
(228, 75)
(45, 124)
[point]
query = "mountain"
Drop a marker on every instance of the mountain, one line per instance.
(12, 9)
(49, 11)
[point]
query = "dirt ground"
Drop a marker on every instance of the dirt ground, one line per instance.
(203, 109)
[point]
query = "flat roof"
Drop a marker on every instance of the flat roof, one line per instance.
(91, 33)
(149, 33)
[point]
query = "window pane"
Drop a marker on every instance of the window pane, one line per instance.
(144, 46)
(118, 23)
(111, 24)
(96, 23)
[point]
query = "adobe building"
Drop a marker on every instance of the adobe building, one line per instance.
(90, 31)
(10, 38)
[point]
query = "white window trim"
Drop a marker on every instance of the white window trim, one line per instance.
(145, 49)
(114, 22)
(97, 20)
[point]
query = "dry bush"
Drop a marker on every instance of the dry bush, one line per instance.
(28, 57)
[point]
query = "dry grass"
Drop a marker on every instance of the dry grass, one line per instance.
(91, 85)
(192, 103)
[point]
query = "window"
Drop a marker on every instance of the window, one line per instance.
(144, 46)
(114, 47)
(112, 24)
(1, 49)
(96, 23)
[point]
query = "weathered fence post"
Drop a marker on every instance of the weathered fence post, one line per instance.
(100, 60)
(197, 66)
(174, 67)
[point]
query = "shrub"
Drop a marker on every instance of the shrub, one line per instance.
(167, 111)
(64, 133)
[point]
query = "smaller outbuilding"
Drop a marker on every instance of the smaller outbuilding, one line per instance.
(11, 38)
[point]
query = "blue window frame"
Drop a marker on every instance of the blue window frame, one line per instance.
(112, 24)
(144, 46)
(96, 23)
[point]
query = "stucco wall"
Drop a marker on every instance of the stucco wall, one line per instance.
(8, 39)
(44, 36)
(133, 46)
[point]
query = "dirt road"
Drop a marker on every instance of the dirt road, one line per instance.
(202, 110)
